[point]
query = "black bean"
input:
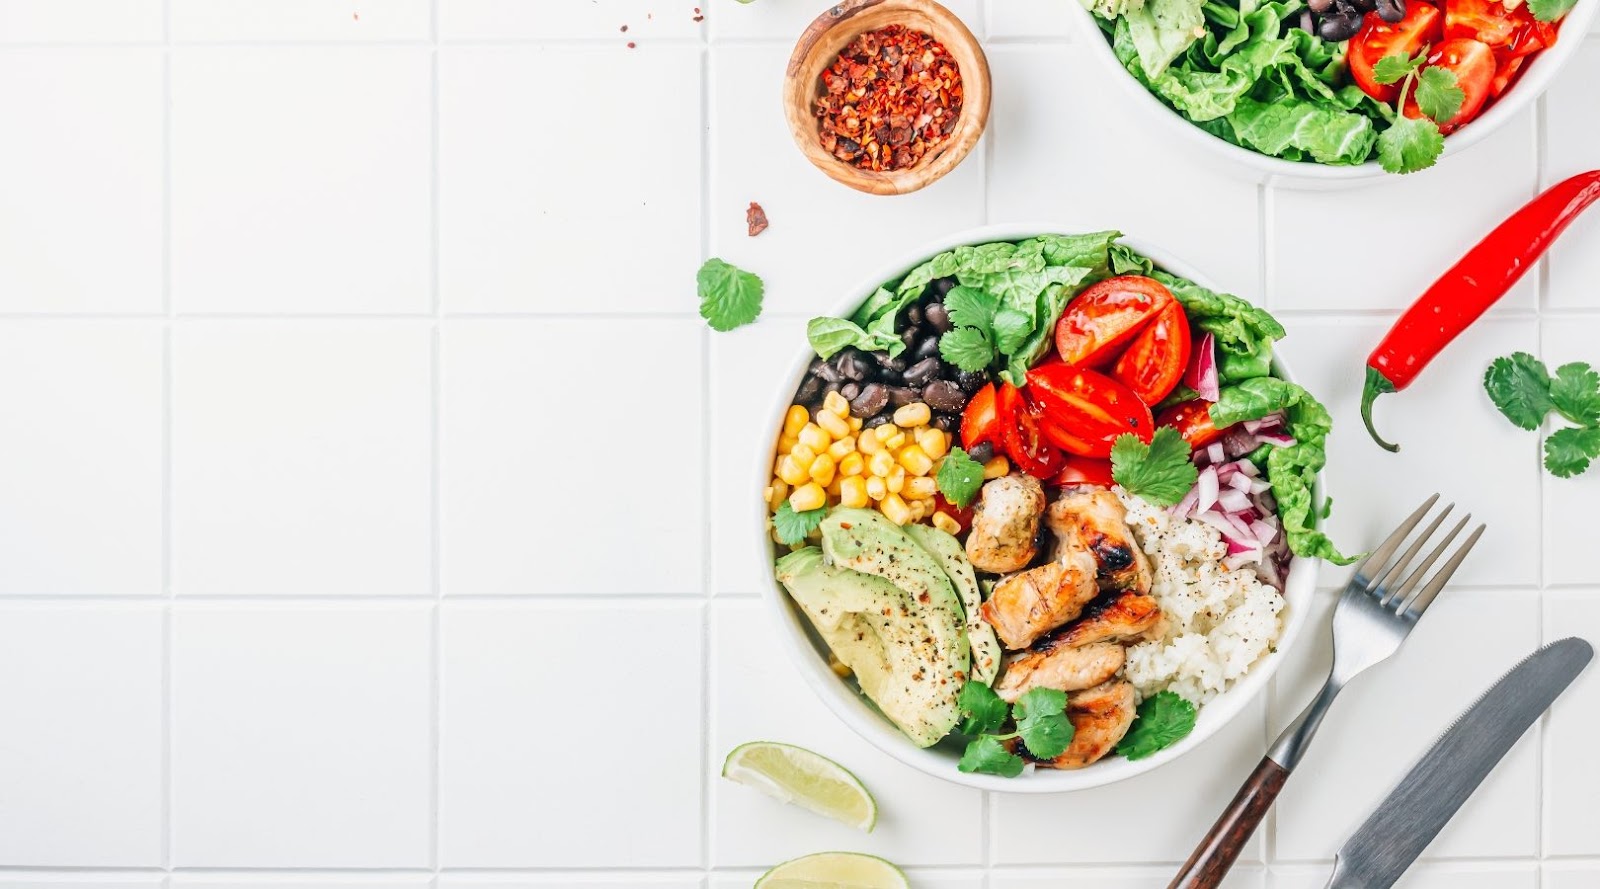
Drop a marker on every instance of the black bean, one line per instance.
(1391, 11)
(913, 316)
(889, 362)
(982, 452)
(941, 286)
(903, 395)
(927, 348)
(825, 371)
(946, 423)
(937, 316)
(875, 422)
(943, 395)
(909, 336)
(870, 401)
(850, 390)
(923, 372)
(971, 381)
(856, 366)
(810, 387)
(1341, 25)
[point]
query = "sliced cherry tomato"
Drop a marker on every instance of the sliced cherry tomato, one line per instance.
(1511, 33)
(1504, 77)
(1473, 64)
(1192, 419)
(979, 422)
(1083, 471)
(1104, 317)
(1020, 436)
(1155, 361)
(1083, 412)
(1377, 38)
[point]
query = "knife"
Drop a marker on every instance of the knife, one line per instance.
(1429, 795)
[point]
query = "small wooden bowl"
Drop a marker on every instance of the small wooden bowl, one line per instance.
(821, 44)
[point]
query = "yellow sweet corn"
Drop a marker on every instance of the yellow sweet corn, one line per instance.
(877, 488)
(896, 441)
(833, 424)
(852, 464)
(855, 424)
(997, 467)
(868, 443)
(853, 492)
(815, 438)
(807, 497)
(836, 404)
(946, 524)
(777, 492)
(915, 460)
(933, 442)
(786, 443)
(896, 510)
(896, 480)
(795, 419)
(804, 453)
(914, 414)
(881, 464)
(792, 472)
(822, 469)
(833, 488)
(842, 448)
(886, 431)
(921, 488)
(919, 509)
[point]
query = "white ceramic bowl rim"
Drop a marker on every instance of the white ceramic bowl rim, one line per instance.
(1534, 81)
(940, 761)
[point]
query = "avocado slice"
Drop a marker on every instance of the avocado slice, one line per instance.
(874, 628)
(980, 636)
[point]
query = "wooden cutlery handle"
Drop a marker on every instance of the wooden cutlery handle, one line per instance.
(1221, 847)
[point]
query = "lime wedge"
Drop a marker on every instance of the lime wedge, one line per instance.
(834, 870)
(809, 780)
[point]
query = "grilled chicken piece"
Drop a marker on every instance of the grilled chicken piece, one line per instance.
(1059, 667)
(1124, 617)
(1100, 717)
(1029, 604)
(1095, 520)
(1005, 524)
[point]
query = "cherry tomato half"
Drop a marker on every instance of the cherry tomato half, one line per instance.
(979, 421)
(1506, 76)
(1155, 361)
(1083, 471)
(1474, 67)
(1377, 38)
(1102, 318)
(1020, 435)
(1192, 419)
(1083, 411)
(1511, 33)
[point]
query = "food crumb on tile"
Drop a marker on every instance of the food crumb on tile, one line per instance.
(755, 218)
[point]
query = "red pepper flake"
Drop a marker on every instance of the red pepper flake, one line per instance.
(624, 29)
(755, 219)
(699, 18)
(889, 99)
(631, 44)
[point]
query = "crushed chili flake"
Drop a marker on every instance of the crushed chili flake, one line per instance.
(631, 44)
(890, 98)
(624, 29)
(755, 219)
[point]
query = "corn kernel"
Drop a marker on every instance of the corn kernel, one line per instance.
(795, 419)
(855, 424)
(868, 442)
(945, 523)
(919, 508)
(822, 469)
(777, 492)
(877, 488)
(833, 424)
(913, 414)
(886, 431)
(803, 453)
(815, 438)
(896, 510)
(997, 467)
(786, 443)
(896, 441)
(853, 464)
(792, 471)
(807, 497)
(933, 442)
(842, 448)
(915, 460)
(776, 538)
(836, 404)
(921, 488)
(853, 492)
(833, 488)
(896, 480)
(881, 464)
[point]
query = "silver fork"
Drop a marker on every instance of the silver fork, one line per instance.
(1377, 610)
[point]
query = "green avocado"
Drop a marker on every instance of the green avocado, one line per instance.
(980, 636)
(874, 628)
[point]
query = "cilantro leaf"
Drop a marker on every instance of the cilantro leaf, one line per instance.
(1394, 68)
(1409, 144)
(1011, 329)
(1575, 392)
(959, 478)
(793, 526)
(729, 296)
(1164, 719)
(1042, 722)
(984, 710)
(1160, 472)
(1439, 93)
(989, 755)
(1519, 386)
(970, 307)
(966, 348)
(1550, 10)
(1568, 452)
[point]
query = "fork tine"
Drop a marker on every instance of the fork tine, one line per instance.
(1380, 556)
(1395, 571)
(1420, 602)
(1402, 593)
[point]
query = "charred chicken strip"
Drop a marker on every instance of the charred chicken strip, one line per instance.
(1005, 524)
(1124, 617)
(1059, 667)
(1100, 717)
(1031, 603)
(1095, 520)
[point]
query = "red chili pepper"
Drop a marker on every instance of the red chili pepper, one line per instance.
(1470, 287)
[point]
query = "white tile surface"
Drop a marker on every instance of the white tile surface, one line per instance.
(87, 21)
(503, 452)
(301, 735)
(69, 880)
(301, 458)
(513, 238)
(301, 179)
(1571, 875)
(533, 721)
(1574, 147)
(783, 22)
(1571, 781)
(1386, 719)
(1423, 876)
(80, 171)
(1243, 876)
(298, 881)
(1568, 544)
(81, 458)
(1031, 19)
(80, 761)
(588, 881)
(525, 20)
(204, 20)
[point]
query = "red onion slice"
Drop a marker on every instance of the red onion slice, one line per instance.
(1201, 376)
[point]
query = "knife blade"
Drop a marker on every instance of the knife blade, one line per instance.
(1429, 795)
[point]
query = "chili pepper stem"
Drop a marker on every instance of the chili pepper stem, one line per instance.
(1377, 384)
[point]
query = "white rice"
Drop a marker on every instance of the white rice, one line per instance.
(1219, 622)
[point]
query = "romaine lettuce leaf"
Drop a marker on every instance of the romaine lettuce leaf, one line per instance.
(1162, 30)
(1297, 129)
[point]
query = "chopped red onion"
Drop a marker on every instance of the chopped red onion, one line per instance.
(1207, 488)
(1233, 501)
(1201, 375)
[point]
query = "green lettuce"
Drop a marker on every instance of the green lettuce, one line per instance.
(829, 336)
(1162, 30)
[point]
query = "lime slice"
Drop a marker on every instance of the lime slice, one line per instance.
(809, 780)
(834, 870)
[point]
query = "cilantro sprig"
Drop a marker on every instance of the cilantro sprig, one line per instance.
(794, 527)
(970, 342)
(729, 296)
(1525, 392)
(1415, 143)
(1160, 472)
(960, 477)
(1041, 725)
(1164, 719)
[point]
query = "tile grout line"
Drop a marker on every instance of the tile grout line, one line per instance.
(707, 571)
(168, 588)
(436, 368)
